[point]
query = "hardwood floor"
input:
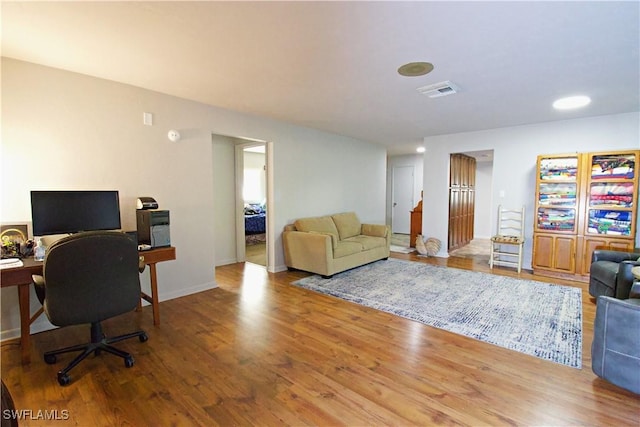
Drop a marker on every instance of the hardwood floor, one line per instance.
(258, 351)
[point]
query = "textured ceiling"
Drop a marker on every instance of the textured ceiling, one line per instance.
(332, 65)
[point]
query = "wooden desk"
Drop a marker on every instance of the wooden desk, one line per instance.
(151, 258)
(21, 277)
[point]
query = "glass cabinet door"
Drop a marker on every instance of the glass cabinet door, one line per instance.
(556, 219)
(612, 194)
(557, 194)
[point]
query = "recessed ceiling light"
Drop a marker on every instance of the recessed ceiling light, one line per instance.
(414, 69)
(571, 102)
(421, 149)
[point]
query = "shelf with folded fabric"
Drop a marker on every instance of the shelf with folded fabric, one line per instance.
(558, 168)
(612, 195)
(561, 220)
(609, 166)
(557, 194)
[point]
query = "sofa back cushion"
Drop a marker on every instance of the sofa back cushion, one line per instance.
(320, 224)
(348, 224)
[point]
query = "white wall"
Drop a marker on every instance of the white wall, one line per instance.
(224, 211)
(63, 130)
(514, 163)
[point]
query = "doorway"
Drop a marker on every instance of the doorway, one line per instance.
(254, 198)
(470, 229)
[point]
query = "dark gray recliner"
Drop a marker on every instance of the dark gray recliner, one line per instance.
(610, 273)
(87, 278)
(615, 351)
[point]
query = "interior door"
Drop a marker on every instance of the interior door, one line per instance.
(402, 199)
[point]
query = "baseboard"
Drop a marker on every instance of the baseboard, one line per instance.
(226, 262)
(278, 269)
(187, 291)
(39, 326)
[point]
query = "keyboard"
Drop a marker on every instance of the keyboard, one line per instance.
(10, 263)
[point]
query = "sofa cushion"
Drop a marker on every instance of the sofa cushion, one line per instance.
(320, 224)
(368, 242)
(348, 224)
(345, 248)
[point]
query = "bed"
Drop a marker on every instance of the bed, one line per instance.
(255, 224)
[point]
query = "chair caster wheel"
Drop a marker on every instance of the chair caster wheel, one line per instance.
(63, 379)
(128, 361)
(143, 338)
(50, 359)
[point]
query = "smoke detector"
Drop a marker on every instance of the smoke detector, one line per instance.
(439, 89)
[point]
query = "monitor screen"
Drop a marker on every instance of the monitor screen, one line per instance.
(60, 212)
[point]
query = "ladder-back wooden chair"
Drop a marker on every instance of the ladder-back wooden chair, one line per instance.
(510, 233)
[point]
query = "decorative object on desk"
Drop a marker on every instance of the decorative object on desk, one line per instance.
(39, 251)
(146, 203)
(15, 241)
(539, 319)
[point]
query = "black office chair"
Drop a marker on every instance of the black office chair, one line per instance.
(87, 278)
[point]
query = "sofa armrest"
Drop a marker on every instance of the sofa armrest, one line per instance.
(624, 279)
(615, 351)
(375, 230)
(614, 256)
(307, 251)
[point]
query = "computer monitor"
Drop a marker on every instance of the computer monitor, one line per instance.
(61, 212)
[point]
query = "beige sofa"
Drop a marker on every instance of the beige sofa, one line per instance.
(330, 244)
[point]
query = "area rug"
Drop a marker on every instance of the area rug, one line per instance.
(539, 319)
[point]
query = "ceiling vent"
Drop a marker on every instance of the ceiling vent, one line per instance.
(438, 89)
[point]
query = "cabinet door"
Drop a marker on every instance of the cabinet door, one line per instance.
(565, 250)
(557, 192)
(612, 195)
(542, 251)
(554, 252)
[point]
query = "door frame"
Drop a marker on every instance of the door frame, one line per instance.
(241, 255)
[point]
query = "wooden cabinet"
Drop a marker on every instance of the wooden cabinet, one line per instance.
(416, 227)
(416, 222)
(583, 201)
(461, 200)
